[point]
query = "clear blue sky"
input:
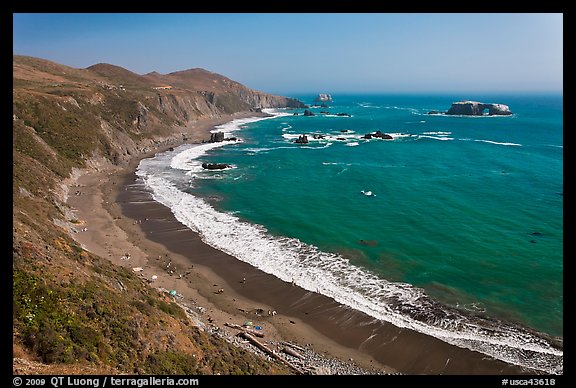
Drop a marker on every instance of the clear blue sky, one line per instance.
(334, 53)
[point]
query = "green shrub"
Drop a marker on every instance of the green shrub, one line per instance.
(171, 363)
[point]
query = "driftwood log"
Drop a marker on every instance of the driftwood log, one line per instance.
(292, 352)
(245, 329)
(300, 348)
(269, 351)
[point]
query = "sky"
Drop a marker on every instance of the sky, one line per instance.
(312, 53)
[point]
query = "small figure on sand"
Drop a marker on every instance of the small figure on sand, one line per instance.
(151, 280)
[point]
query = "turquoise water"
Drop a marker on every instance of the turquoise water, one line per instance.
(466, 209)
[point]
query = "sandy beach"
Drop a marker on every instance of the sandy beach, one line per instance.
(119, 220)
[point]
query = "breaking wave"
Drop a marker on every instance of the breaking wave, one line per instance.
(330, 274)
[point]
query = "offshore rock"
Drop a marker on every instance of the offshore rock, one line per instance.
(377, 134)
(323, 97)
(215, 166)
(474, 108)
(303, 139)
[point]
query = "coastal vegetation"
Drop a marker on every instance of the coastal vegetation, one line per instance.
(70, 306)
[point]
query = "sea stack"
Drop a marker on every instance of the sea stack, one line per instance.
(216, 137)
(323, 97)
(474, 108)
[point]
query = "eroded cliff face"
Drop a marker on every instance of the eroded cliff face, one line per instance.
(107, 111)
(67, 119)
(232, 94)
(261, 100)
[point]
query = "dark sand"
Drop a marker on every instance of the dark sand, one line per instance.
(121, 217)
(404, 350)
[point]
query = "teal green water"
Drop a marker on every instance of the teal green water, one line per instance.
(452, 228)
(469, 209)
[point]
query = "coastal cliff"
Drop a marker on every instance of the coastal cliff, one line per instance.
(105, 110)
(72, 307)
(218, 88)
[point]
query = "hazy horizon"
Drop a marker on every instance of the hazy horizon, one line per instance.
(313, 53)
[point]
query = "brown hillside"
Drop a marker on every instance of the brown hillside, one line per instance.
(42, 70)
(72, 308)
(199, 80)
(120, 75)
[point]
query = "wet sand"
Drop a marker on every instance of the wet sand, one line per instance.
(121, 217)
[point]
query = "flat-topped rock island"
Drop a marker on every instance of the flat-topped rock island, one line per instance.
(475, 108)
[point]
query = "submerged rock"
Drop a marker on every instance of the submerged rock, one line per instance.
(369, 243)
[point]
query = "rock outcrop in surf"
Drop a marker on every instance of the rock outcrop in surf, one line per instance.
(215, 166)
(377, 134)
(216, 137)
(302, 139)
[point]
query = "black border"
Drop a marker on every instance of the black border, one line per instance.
(128, 6)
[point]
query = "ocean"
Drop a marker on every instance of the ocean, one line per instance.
(452, 228)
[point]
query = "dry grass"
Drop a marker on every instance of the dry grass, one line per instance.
(74, 312)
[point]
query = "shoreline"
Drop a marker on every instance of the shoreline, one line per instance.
(120, 218)
(105, 230)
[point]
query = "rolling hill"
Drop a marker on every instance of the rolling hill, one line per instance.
(67, 307)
